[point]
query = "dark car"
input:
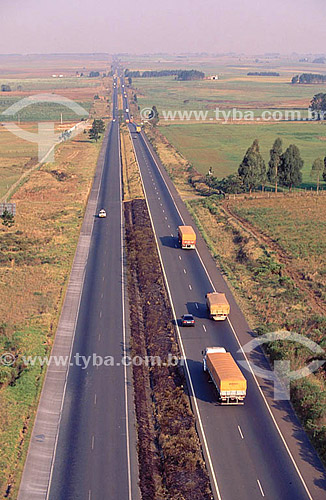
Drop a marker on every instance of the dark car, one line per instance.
(187, 320)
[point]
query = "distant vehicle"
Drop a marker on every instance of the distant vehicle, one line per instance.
(138, 128)
(187, 320)
(113, 120)
(127, 110)
(127, 120)
(225, 374)
(217, 306)
(102, 213)
(187, 237)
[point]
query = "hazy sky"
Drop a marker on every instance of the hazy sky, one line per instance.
(138, 26)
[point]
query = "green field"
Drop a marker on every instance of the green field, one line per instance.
(79, 90)
(207, 143)
(222, 147)
(230, 91)
(41, 84)
(42, 111)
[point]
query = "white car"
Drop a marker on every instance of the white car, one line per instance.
(102, 213)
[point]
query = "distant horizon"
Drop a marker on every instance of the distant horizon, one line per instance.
(203, 53)
(210, 26)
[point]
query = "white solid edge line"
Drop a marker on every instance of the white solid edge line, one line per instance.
(70, 352)
(123, 322)
(261, 489)
(233, 330)
(192, 391)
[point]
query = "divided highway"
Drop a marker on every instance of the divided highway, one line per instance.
(244, 448)
(93, 460)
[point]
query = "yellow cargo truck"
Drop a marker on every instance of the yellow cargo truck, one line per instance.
(138, 128)
(187, 237)
(226, 375)
(217, 306)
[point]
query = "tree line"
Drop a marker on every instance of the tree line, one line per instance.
(283, 169)
(178, 73)
(151, 74)
(192, 74)
(307, 78)
(263, 73)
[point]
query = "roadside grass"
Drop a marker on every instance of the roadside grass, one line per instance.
(16, 156)
(299, 228)
(36, 257)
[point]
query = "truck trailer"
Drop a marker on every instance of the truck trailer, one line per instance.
(187, 237)
(231, 385)
(217, 306)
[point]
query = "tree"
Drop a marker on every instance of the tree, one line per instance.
(8, 218)
(274, 162)
(317, 170)
(318, 105)
(191, 74)
(97, 129)
(290, 167)
(94, 134)
(228, 185)
(154, 116)
(252, 170)
(100, 126)
(324, 172)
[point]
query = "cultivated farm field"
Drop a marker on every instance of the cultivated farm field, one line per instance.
(207, 143)
(222, 147)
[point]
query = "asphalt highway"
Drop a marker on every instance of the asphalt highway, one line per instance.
(245, 453)
(93, 459)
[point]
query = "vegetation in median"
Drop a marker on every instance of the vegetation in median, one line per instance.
(170, 457)
(132, 187)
